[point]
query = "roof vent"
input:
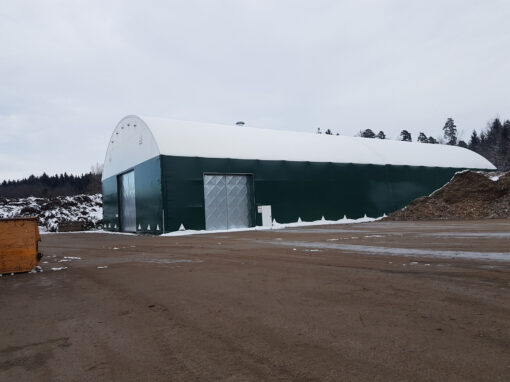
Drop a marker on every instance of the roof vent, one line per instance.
(240, 123)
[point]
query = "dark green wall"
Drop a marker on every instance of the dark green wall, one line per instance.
(110, 204)
(148, 195)
(308, 190)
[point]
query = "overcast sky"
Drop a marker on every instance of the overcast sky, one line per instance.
(70, 70)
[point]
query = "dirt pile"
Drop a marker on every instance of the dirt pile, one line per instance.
(469, 195)
(52, 212)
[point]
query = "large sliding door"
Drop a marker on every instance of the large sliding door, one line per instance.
(215, 196)
(228, 201)
(127, 204)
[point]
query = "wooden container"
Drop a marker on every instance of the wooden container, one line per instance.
(19, 240)
(69, 226)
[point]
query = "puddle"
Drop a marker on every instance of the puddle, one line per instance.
(477, 235)
(500, 256)
(322, 230)
(171, 261)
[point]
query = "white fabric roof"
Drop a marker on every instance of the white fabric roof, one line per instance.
(179, 138)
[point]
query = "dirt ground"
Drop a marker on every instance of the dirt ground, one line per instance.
(385, 301)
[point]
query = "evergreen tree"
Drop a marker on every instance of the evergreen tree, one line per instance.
(483, 139)
(368, 133)
(493, 143)
(328, 132)
(474, 141)
(422, 138)
(381, 135)
(494, 131)
(49, 186)
(405, 136)
(319, 130)
(450, 132)
(462, 144)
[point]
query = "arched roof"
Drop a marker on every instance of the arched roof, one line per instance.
(136, 139)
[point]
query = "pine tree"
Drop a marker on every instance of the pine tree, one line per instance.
(474, 141)
(432, 140)
(422, 138)
(450, 132)
(494, 131)
(405, 136)
(504, 149)
(368, 133)
(381, 135)
(462, 144)
(328, 132)
(493, 143)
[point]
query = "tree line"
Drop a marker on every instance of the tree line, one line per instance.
(51, 186)
(493, 142)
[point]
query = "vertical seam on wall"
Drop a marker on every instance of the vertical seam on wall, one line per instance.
(163, 192)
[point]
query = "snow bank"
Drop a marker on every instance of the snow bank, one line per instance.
(277, 225)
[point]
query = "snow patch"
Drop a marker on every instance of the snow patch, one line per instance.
(172, 261)
(276, 225)
(58, 268)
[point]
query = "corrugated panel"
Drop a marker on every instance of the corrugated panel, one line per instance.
(215, 195)
(228, 201)
(127, 202)
(238, 201)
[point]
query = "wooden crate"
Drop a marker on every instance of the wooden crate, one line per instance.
(19, 240)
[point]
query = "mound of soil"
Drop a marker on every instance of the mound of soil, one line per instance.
(469, 195)
(85, 211)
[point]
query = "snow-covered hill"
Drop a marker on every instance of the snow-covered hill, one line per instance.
(87, 209)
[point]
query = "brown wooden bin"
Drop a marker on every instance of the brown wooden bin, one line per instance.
(19, 240)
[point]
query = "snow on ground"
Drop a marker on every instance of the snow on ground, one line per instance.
(87, 209)
(90, 231)
(277, 225)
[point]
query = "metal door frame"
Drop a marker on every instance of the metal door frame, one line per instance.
(251, 175)
(119, 177)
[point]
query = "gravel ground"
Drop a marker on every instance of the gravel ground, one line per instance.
(383, 301)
